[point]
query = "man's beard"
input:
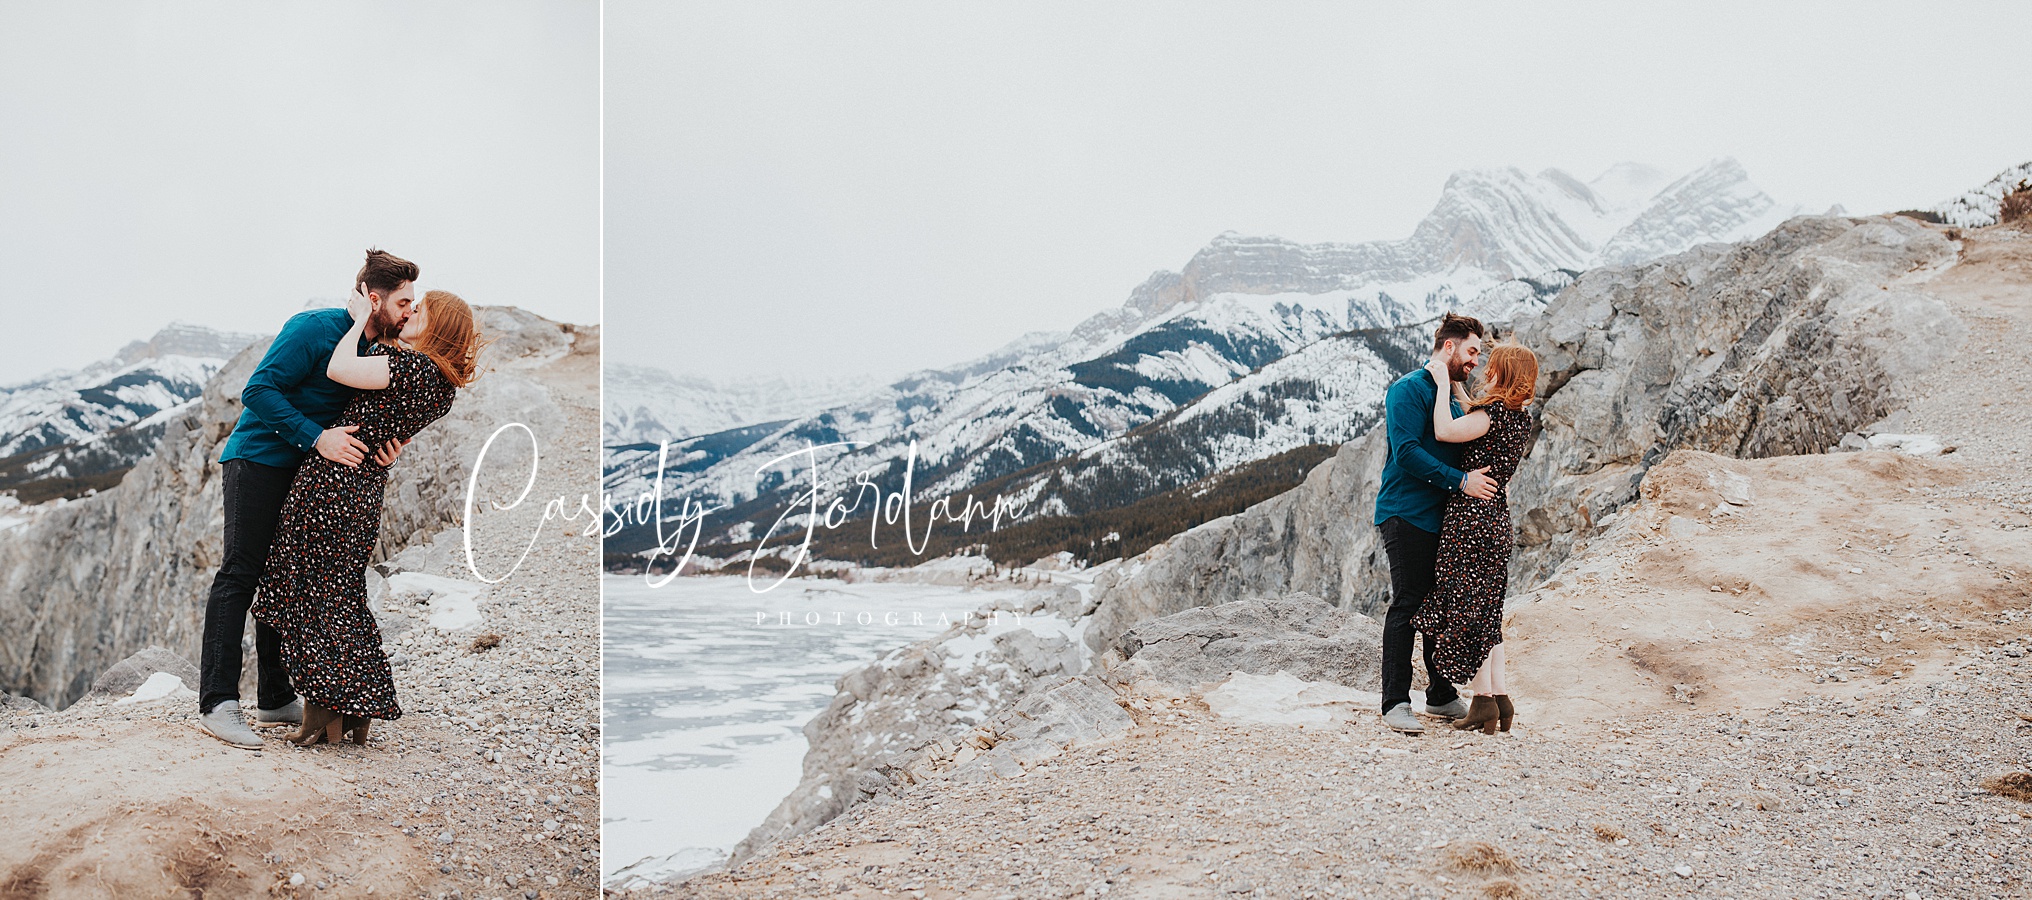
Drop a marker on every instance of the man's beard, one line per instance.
(383, 328)
(1457, 369)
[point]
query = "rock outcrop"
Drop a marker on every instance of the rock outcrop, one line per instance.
(1191, 651)
(91, 581)
(132, 672)
(888, 712)
(1774, 346)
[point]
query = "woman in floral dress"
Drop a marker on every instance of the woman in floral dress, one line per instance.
(1462, 618)
(314, 588)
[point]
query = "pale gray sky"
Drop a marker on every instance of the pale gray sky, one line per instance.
(876, 187)
(221, 163)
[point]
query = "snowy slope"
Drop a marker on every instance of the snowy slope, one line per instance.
(99, 420)
(142, 380)
(647, 404)
(1979, 207)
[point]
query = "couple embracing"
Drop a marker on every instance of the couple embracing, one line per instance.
(1445, 522)
(331, 404)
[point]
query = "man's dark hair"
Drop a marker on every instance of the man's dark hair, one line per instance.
(1456, 328)
(384, 272)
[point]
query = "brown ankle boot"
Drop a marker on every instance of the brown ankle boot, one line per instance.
(318, 726)
(356, 728)
(1506, 711)
(1482, 714)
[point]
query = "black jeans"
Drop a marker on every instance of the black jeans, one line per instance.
(254, 495)
(1414, 561)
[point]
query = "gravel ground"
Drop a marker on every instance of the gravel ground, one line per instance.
(1991, 289)
(1818, 798)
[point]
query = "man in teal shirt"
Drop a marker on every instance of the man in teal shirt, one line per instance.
(289, 404)
(1418, 473)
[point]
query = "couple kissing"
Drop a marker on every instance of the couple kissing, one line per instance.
(332, 403)
(1444, 515)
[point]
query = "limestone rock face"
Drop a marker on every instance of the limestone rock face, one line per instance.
(1298, 633)
(1768, 347)
(91, 581)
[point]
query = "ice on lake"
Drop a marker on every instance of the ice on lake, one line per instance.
(707, 686)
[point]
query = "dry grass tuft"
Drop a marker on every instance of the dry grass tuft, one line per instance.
(2016, 205)
(2016, 785)
(1505, 890)
(486, 641)
(1607, 833)
(1476, 856)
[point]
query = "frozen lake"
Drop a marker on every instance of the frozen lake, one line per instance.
(704, 704)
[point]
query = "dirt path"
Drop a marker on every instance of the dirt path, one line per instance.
(486, 787)
(1801, 695)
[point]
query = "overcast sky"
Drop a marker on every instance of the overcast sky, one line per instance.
(222, 163)
(876, 187)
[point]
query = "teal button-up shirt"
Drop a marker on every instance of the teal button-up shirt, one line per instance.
(1421, 469)
(288, 399)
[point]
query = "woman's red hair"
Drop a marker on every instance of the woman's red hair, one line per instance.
(1512, 378)
(449, 337)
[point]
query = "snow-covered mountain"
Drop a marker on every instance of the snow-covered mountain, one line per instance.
(1256, 346)
(644, 404)
(1980, 207)
(104, 417)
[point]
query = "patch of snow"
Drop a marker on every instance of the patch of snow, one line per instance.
(159, 686)
(454, 604)
(1285, 699)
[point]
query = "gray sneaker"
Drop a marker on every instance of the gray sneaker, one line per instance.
(1400, 718)
(290, 713)
(1454, 710)
(224, 723)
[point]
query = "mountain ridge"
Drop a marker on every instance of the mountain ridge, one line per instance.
(1497, 242)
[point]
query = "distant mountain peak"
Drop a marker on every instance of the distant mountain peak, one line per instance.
(185, 339)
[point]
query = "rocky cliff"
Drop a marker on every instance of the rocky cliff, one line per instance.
(88, 582)
(1768, 347)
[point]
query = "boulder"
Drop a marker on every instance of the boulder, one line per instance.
(1298, 633)
(124, 676)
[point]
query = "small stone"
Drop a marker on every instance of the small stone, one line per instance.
(1683, 871)
(444, 837)
(295, 878)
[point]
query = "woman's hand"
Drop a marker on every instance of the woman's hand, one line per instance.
(1440, 376)
(358, 305)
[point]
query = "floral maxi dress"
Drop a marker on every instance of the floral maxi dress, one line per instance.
(1462, 618)
(314, 588)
